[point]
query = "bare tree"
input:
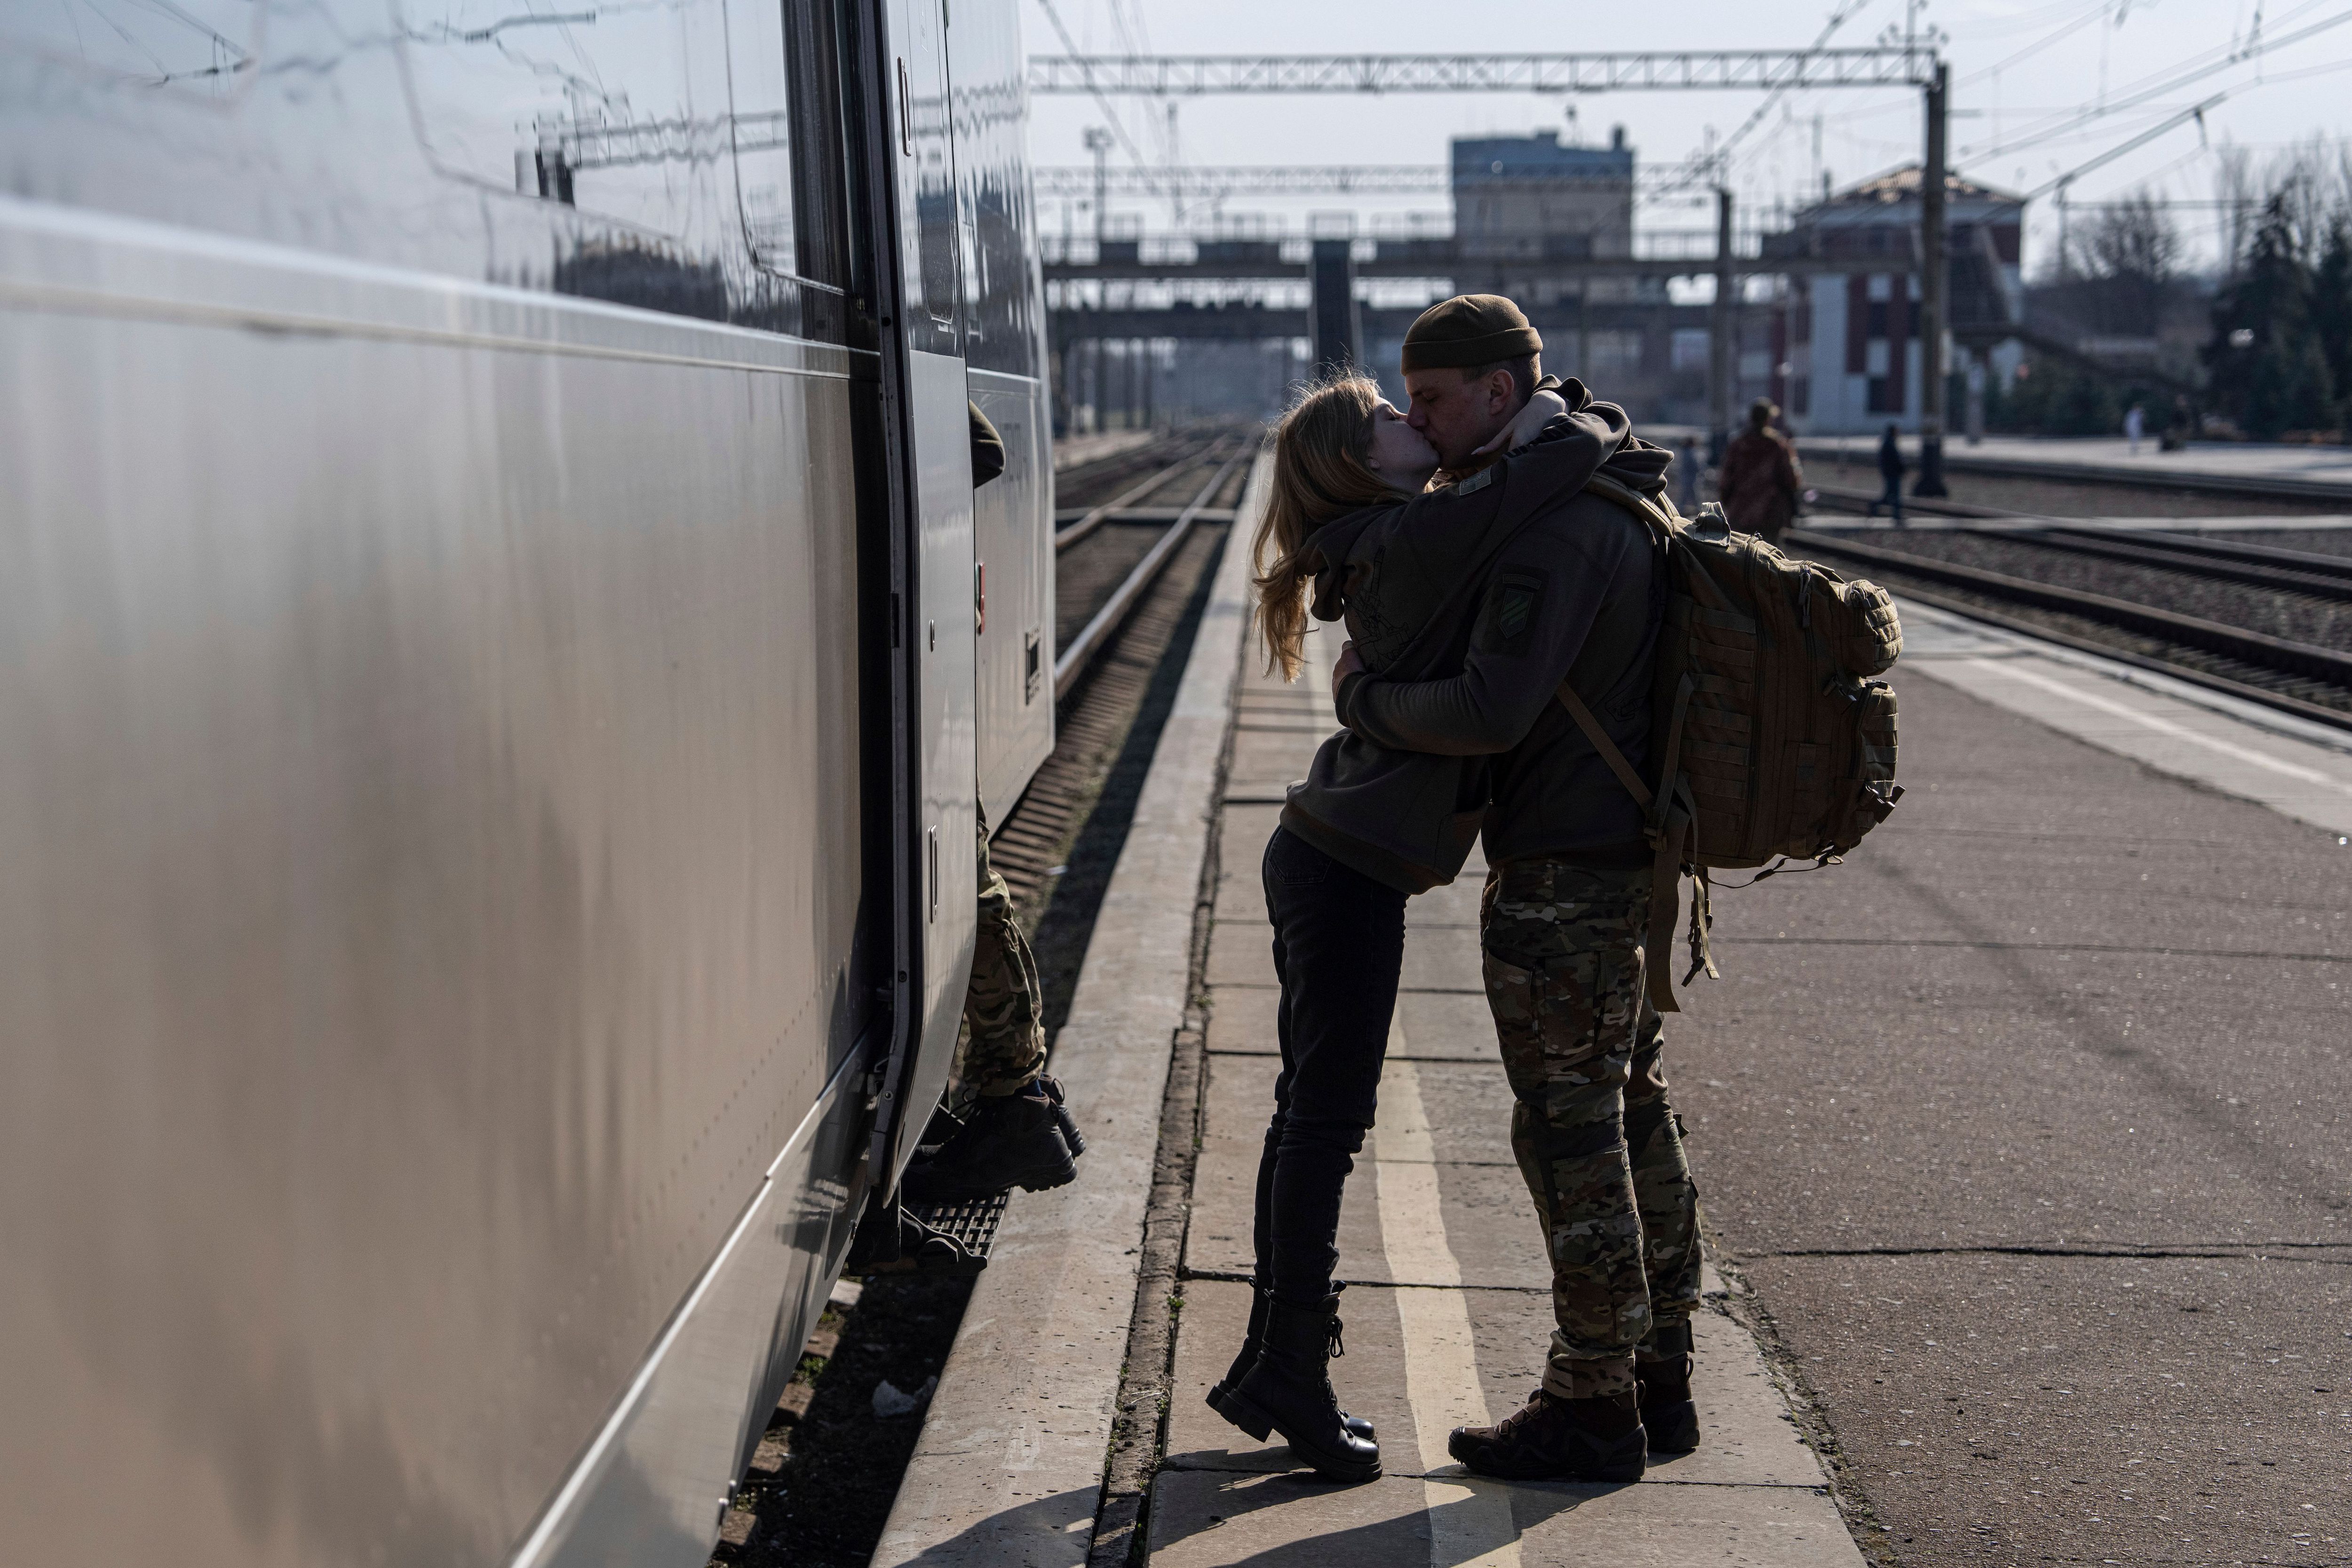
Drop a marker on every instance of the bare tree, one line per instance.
(2128, 255)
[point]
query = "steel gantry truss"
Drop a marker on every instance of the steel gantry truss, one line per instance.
(1078, 182)
(1747, 70)
(1914, 63)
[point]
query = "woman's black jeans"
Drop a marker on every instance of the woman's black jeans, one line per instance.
(1339, 944)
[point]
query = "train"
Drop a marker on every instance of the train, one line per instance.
(501, 656)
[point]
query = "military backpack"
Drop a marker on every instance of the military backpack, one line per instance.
(1770, 738)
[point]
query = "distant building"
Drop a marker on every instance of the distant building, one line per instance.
(1844, 345)
(1529, 198)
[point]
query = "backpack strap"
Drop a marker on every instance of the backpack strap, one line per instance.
(1672, 811)
(1603, 745)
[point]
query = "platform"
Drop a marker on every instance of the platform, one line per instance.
(1448, 1308)
(2246, 467)
(2021, 1139)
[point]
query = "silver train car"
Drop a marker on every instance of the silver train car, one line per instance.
(499, 651)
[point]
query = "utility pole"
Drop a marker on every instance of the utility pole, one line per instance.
(1099, 142)
(1722, 354)
(1934, 294)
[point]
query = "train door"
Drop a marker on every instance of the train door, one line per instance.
(1003, 351)
(937, 465)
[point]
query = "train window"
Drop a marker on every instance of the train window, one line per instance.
(618, 113)
(813, 33)
(791, 169)
(203, 46)
(986, 68)
(923, 107)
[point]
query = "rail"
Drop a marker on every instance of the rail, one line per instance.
(1072, 662)
(2255, 648)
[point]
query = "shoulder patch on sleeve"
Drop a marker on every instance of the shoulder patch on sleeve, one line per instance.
(1508, 624)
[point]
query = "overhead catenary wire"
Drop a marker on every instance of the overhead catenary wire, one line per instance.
(1102, 101)
(2177, 77)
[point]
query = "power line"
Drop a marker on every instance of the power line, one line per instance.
(2180, 77)
(1102, 102)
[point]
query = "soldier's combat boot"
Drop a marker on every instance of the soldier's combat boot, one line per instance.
(1010, 1140)
(1052, 1088)
(1289, 1391)
(1247, 1358)
(1662, 1367)
(1553, 1439)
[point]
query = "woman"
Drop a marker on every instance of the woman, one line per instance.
(1366, 829)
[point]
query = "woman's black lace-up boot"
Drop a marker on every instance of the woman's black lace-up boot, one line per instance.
(1246, 1358)
(1289, 1391)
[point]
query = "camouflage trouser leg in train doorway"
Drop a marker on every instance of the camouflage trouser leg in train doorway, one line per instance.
(1594, 1133)
(1003, 1005)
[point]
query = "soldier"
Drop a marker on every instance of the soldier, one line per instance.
(1760, 481)
(1018, 1132)
(1561, 926)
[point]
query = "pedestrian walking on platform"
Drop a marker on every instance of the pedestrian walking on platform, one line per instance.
(1891, 470)
(2134, 426)
(1687, 474)
(1760, 482)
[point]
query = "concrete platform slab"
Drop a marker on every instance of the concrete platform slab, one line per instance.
(1440, 958)
(1749, 1439)
(2317, 471)
(1469, 1106)
(1264, 1520)
(1485, 1209)
(1439, 1026)
(2025, 1409)
(2300, 769)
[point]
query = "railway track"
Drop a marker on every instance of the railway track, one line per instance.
(1135, 555)
(2244, 619)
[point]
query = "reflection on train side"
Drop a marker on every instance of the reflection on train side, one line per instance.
(644, 153)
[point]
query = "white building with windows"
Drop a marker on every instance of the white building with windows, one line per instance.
(1846, 351)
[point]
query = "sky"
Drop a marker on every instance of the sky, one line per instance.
(2018, 66)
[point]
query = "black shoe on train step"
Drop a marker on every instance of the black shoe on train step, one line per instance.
(1553, 1439)
(1052, 1088)
(1010, 1140)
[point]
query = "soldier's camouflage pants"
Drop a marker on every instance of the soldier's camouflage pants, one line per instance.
(1594, 1134)
(1007, 1047)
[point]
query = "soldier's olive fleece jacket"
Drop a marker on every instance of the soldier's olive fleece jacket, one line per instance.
(1467, 603)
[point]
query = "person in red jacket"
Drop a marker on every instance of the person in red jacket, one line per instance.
(1760, 480)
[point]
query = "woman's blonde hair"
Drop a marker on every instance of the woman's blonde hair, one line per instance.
(1320, 474)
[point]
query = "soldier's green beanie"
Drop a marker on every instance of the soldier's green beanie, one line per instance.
(1469, 331)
